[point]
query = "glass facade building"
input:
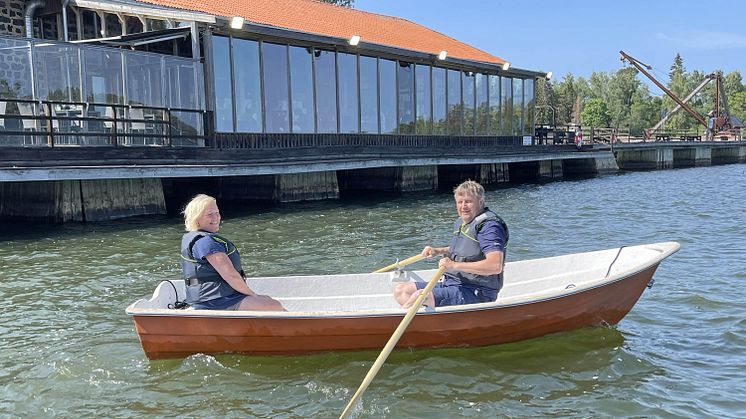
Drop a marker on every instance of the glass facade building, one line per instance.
(269, 87)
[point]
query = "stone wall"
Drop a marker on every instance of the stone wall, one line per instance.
(11, 18)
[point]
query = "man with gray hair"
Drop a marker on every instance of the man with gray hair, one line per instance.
(474, 259)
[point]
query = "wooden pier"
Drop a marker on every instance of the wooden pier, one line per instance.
(62, 184)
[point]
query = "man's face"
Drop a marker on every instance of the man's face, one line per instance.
(468, 206)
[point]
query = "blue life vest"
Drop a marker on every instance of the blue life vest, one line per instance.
(465, 247)
(203, 282)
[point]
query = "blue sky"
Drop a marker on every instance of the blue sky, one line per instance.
(581, 36)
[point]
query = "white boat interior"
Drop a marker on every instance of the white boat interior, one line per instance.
(524, 281)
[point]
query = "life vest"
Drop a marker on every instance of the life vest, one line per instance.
(465, 247)
(203, 282)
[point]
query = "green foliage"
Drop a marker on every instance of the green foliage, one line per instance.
(595, 113)
(622, 100)
(737, 104)
(680, 85)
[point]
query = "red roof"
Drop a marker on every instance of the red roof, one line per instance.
(320, 18)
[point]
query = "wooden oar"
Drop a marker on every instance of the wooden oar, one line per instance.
(392, 342)
(404, 262)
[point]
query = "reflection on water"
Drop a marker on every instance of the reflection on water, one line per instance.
(68, 349)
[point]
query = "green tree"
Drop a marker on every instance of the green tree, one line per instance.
(644, 111)
(566, 95)
(733, 83)
(595, 113)
(546, 104)
(622, 85)
(737, 105)
(678, 84)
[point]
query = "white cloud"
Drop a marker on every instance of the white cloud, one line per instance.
(704, 40)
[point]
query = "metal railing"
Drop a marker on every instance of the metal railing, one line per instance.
(31, 123)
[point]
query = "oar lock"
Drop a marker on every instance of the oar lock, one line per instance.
(399, 276)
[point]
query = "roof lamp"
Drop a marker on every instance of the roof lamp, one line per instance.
(237, 22)
(506, 66)
(354, 40)
(549, 75)
(442, 55)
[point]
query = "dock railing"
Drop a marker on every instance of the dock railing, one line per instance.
(31, 123)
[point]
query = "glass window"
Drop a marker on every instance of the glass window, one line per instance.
(368, 94)
(48, 26)
(301, 88)
(495, 105)
(517, 106)
(72, 28)
(406, 98)
(16, 84)
(468, 80)
(247, 86)
(57, 72)
(183, 83)
(528, 109)
(348, 106)
(113, 25)
(186, 123)
(424, 120)
(326, 91)
(221, 70)
(144, 79)
(91, 24)
(387, 69)
(455, 107)
(506, 94)
(276, 90)
(133, 24)
(482, 107)
(102, 69)
(439, 100)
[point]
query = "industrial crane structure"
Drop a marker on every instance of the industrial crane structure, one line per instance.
(719, 123)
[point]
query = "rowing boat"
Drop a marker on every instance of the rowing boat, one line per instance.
(358, 312)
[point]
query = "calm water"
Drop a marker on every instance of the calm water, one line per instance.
(69, 350)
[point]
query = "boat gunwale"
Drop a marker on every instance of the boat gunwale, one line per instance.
(669, 249)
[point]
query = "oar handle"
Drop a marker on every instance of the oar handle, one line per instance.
(392, 342)
(404, 262)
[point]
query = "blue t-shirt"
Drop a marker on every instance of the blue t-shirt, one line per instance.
(491, 237)
(206, 246)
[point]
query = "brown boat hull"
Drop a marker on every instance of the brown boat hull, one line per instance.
(178, 336)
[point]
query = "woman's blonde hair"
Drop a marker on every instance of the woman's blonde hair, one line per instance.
(194, 210)
(472, 188)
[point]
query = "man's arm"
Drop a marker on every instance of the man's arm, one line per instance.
(429, 251)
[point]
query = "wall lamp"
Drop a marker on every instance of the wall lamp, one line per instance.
(442, 55)
(549, 75)
(506, 66)
(237, 22)
(354, 40)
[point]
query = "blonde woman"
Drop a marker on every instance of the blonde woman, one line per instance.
(211, 264)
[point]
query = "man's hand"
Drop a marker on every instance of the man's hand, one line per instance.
(428, 252)
(447, 263)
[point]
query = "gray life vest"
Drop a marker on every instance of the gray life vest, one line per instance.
(203, 282)
(465, 247)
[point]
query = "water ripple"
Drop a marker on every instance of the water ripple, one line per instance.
(68, 349)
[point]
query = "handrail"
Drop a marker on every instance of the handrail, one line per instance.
(116, 127)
